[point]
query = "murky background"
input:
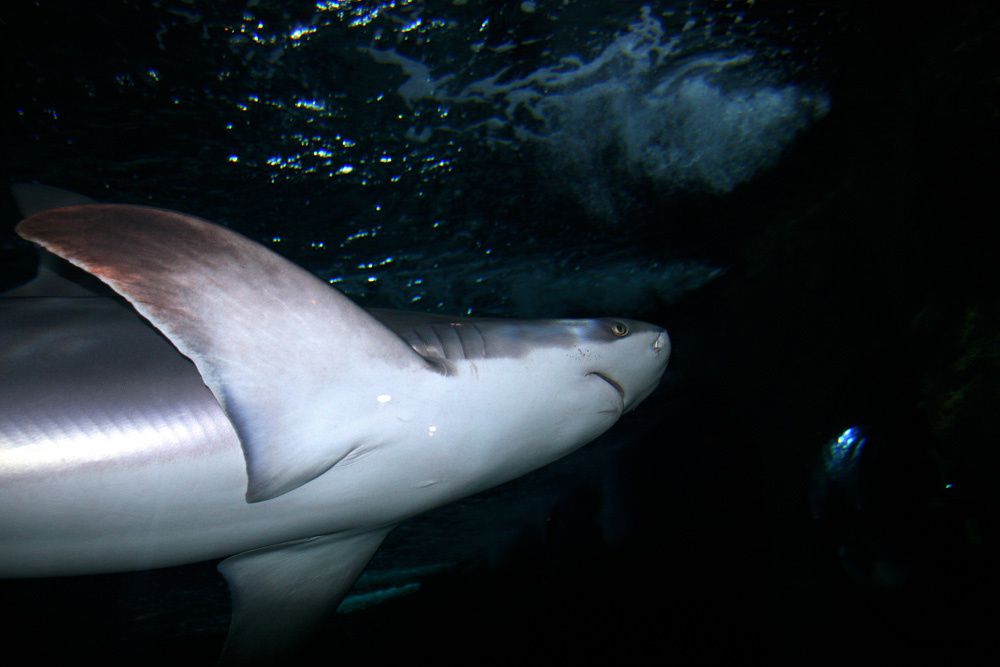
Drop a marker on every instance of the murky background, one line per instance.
(798, 191)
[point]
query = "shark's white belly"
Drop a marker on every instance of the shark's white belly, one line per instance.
(176, 503)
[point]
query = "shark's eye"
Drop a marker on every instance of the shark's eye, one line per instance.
(619, 329)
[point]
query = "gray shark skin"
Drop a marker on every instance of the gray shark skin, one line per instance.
(223, 403)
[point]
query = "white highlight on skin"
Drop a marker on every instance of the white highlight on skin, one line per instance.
(81, 444)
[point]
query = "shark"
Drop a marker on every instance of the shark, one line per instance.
(181, 393)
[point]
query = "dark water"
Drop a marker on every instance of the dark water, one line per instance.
(800, 193)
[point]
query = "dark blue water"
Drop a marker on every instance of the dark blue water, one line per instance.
(794, 190)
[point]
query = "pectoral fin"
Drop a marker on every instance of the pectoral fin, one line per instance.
(282, 593)
(295, 364)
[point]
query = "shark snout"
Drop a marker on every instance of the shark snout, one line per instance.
(662, 343)
(632, 364)
(648, 371)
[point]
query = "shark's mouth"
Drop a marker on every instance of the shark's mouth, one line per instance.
(618, 387)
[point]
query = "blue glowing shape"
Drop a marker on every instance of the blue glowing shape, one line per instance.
(842, 454)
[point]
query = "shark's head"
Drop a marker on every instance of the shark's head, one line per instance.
(628, 355)
(614, 365)
(543, 387)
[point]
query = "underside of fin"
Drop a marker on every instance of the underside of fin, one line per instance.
(33, 199)
(293, 362)
(282, 593)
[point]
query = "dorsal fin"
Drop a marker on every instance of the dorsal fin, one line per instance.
(294, 363)
(33, 199)
(56, 277)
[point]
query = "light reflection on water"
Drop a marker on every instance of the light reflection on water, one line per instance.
(450, 136)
